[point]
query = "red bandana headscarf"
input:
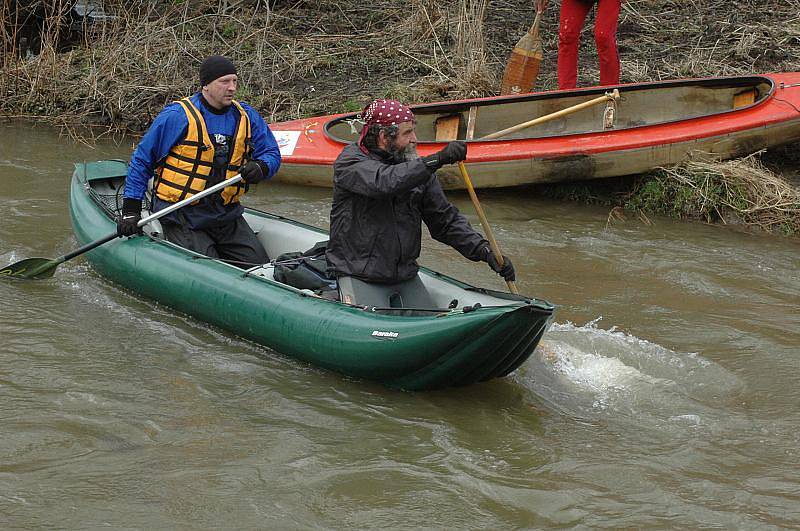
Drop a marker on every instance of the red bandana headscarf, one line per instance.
(384, 112)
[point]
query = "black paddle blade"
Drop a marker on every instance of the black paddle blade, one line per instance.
(31, 268)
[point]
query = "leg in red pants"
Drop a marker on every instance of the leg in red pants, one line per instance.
(605, 37)
(573, 15)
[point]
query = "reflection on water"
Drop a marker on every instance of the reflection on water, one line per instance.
(676, 408)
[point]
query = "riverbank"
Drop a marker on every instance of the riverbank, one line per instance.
(759, 192)
(320, 57)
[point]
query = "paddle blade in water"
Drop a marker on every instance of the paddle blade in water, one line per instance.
(31, 268)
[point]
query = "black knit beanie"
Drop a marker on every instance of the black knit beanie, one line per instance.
(214, 67)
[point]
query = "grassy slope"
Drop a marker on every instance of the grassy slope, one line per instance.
(301, 58)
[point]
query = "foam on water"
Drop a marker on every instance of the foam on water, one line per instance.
(587, 370)
(9, 258)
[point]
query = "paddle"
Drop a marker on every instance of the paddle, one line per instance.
(447, 130)
(608, 96)
(522, 67)
(485, 223)
(39, 268)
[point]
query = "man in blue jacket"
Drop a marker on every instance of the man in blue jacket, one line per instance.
(194, 143)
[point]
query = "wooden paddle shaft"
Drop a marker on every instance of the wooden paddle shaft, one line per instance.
(608, 96)
(485, 223)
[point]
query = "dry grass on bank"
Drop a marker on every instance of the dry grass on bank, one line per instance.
(669, 39)
(740, 191)
(301, 58)
(294, 61)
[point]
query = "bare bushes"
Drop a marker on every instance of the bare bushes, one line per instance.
(443, 46)
(120, 73)
(295, 59)
(696, 39)
(319, 56)
(24, 27)
(478, 78)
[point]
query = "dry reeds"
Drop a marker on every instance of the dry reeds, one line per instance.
(667, 39)
(119, 74)
(303, 58)
(739, 191)
(312, 58)
(456, 60)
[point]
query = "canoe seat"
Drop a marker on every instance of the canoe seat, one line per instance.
(409, 294)
(447, 127)
(746, 97)
(278, 237)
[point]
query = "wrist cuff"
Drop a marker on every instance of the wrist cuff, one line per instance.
(131, 206)
(432, 162)
(264, 170)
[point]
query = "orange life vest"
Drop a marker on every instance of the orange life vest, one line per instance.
(186, 169)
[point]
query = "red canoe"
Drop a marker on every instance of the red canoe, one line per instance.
(648, 126)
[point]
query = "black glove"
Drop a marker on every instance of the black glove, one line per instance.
(453, 152)
(127, 223)
(506, 270)
(253, 172)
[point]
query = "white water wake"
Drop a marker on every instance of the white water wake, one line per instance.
(586, 371)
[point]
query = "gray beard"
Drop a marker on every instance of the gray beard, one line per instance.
(408, 154)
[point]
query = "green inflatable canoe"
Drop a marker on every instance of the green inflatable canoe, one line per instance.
(487, 334)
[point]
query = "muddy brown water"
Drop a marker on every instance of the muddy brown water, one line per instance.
(667, 396)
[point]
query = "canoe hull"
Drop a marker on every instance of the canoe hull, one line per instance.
(579, 166)
(561, 156)
(413, 353)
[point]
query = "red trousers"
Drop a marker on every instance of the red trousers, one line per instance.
(573, 16)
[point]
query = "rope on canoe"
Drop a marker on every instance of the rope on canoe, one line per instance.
(271, 263)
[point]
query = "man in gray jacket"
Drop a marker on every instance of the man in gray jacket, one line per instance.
(382, 192)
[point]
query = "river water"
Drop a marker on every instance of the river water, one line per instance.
(666, 394)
